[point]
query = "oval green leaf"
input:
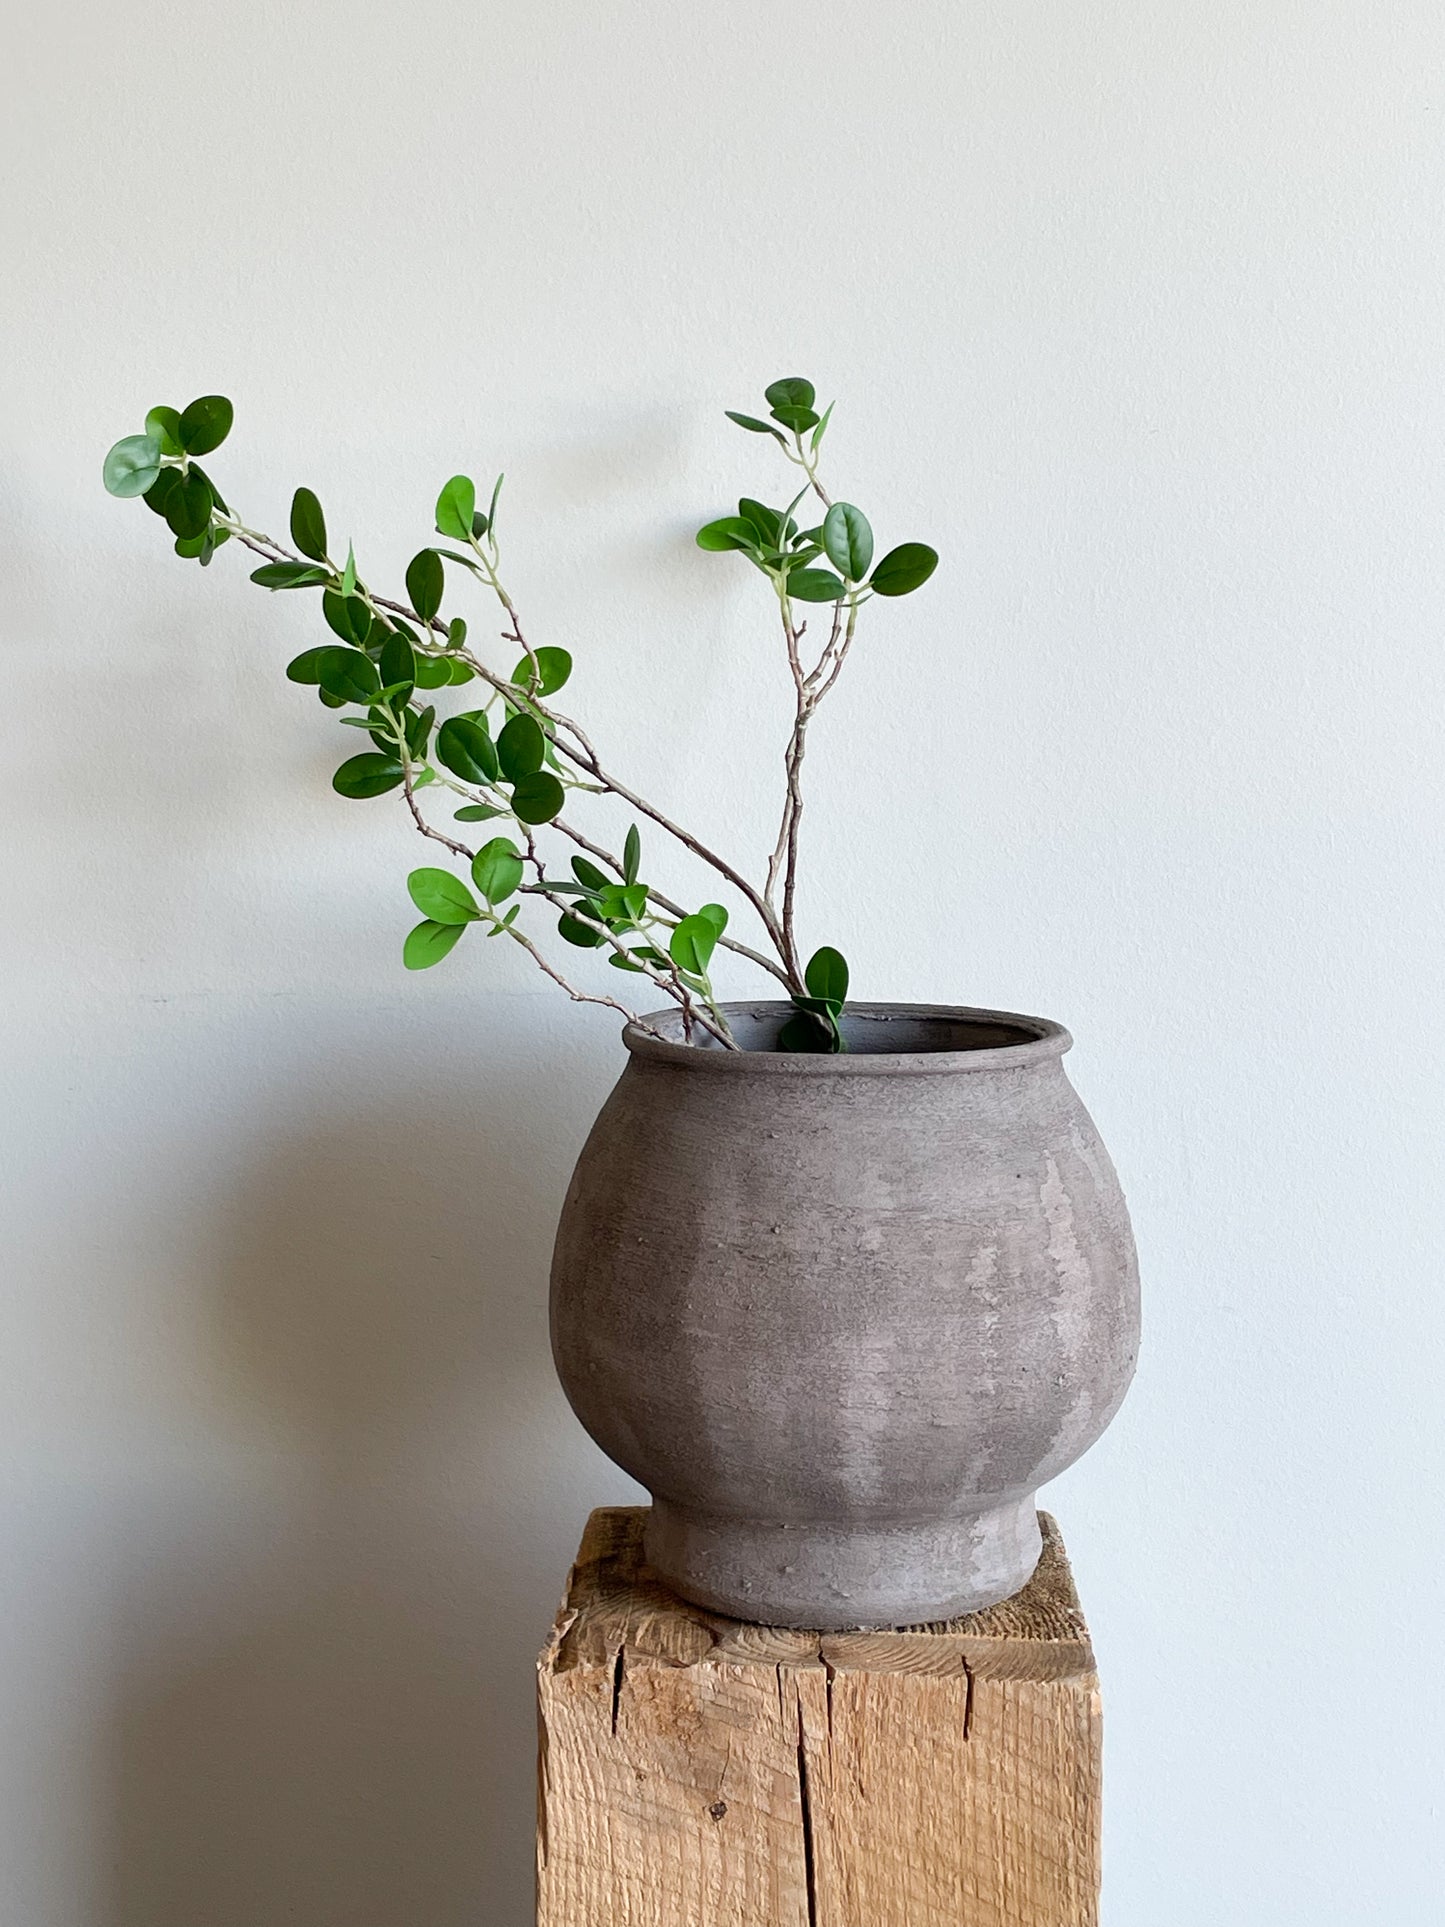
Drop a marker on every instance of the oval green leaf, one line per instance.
(466, 748)
(425, 583)
(165, 425)
(588, 873)
(456, 506)
(798, 419)
(371, 774)
(205, 424)
(429, 942)
(308, 525)
(632, 854)
(848, 539)
(306, 668)
(132, 465)
(573, 930)
(397, 662)
(791, 392)
(521, 747)
(553, 665)
(158, 494)
(904, 569)
(752, 423)
(497, 869)
(349, 674)
(692, 944)
(189, 505)
(538, 798)
(728, 532)
(284, 575)
(827, 976)
(815, 585)
(442, 897)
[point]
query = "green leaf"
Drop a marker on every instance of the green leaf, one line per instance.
(308, 525)
(429, 943)
(456, 505)
(285, 575)
(442, 897)
(349, 674)
(189, 505)
(811, 1035)
(692, 944)
(397, 662)
(632, 855)
(158, 494)
(752, 423)
(417, 726)
(456, 632)
(716, 916)
(792, 392)
(476, 812)
(904, 569)
(827, 976)
(132, 465)
(766, 521)
(497, 869)
(466, 747)
(367, 775)
(821, 430)
(348, 574)
(205, 424)
(306, 668)
(433, 672)
(588, 874)
(729, 532)
(196, 469)
(347, 617)
(849, 541)
(537, 798)
(554, 666)
(490, 519)
(199, 547)
(521, 747)
(164, 424)
(425, 583)
(573, 930)
(459, 672)
(798, 419)
(815, 585)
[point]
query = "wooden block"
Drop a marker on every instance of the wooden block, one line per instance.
(694, 1771)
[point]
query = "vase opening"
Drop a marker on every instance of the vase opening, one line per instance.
(908, 1036)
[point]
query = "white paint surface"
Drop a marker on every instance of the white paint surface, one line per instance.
(1136, 311)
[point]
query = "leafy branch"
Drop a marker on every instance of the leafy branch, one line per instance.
(517, 759)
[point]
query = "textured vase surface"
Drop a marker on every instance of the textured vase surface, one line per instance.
(842, 1315)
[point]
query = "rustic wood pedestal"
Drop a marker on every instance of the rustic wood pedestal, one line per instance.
(694, 1771)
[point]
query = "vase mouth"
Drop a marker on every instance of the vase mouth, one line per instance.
(883, 1040)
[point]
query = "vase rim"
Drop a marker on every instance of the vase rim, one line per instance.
(1024, 1041)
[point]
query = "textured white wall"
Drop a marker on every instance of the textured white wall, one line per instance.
(1135, 310)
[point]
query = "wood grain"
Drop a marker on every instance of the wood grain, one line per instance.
(695, 1771)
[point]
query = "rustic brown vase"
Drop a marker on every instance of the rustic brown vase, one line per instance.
(842, 1315)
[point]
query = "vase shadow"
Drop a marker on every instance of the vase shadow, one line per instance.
(323, 1709)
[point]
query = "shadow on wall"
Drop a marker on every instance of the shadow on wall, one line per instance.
(336, 1728)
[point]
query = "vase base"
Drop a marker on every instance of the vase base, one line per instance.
(832, 1578)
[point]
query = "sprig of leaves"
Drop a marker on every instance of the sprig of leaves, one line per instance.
(384, 657)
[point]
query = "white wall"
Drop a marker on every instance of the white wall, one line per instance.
(1135, 310)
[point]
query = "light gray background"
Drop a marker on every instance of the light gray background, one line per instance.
(1135, 310)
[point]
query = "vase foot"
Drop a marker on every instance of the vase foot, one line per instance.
(834, 1577)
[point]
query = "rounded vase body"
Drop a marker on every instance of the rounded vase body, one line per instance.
(842, 1315)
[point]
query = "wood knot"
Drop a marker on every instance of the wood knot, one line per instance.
(718, 1809)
